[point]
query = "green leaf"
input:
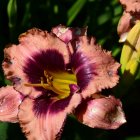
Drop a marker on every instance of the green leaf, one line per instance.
(102, 19)
(27, 14)
(74, 10)
(138, 75)
(12, 16)
(3, 131)
(12, 12)
(7, 82)
(133, 138)
(115, 51)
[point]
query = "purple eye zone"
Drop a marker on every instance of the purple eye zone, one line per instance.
(84, 70)
(50, 60)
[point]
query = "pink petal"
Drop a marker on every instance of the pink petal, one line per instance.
(130, 17)
(16, 56)
(131, 5)
(94, 67)
(127, 21)
(124, 24)
(67, 34)
(10, 100)
(44, 120)
(105, 113)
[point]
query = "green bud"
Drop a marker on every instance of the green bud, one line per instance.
(131, 51)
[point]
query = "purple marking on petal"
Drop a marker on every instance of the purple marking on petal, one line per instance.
(16, 80)
(78, 59)
(74, 88)
(44, 103)
(60, 104)
(41, 105)
(84, 71)
(50, 60)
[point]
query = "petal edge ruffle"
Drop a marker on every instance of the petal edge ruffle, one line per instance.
(94, 67)
(46, 123)
(31, 43)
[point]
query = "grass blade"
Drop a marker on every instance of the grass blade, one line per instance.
(12, 16)
(74, 10)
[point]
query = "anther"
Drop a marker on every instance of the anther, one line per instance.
(47, 85)
(48, 77)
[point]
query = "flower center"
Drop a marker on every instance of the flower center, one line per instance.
(57, 82)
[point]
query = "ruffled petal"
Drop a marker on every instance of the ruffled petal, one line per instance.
(105, 113)
(95, 68)
(68, 34)
(43, 119)
(33, 43)
(10, 100)
(131, 5)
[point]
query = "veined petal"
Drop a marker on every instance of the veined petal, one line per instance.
(32, 43)
(43, 118)
(105, 113)
(10, 100)
(95, 68)
(68, 34)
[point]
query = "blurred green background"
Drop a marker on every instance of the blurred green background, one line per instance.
(101, 17)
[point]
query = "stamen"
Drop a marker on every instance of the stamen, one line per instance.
(48, 85)
(48, 77)
(42, 84)
(56, 83)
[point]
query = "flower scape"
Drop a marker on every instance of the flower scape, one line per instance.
(56, 74)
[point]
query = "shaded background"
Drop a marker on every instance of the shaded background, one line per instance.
(101, 17)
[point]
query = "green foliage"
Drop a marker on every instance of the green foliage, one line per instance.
(133, 138)
(12, 16)
(3, 131)
(74, 10)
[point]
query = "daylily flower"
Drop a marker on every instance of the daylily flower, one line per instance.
(52, 75)
(130, 17)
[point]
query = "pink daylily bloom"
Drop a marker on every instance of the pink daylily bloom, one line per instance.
(130, 17)
(52, 75)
